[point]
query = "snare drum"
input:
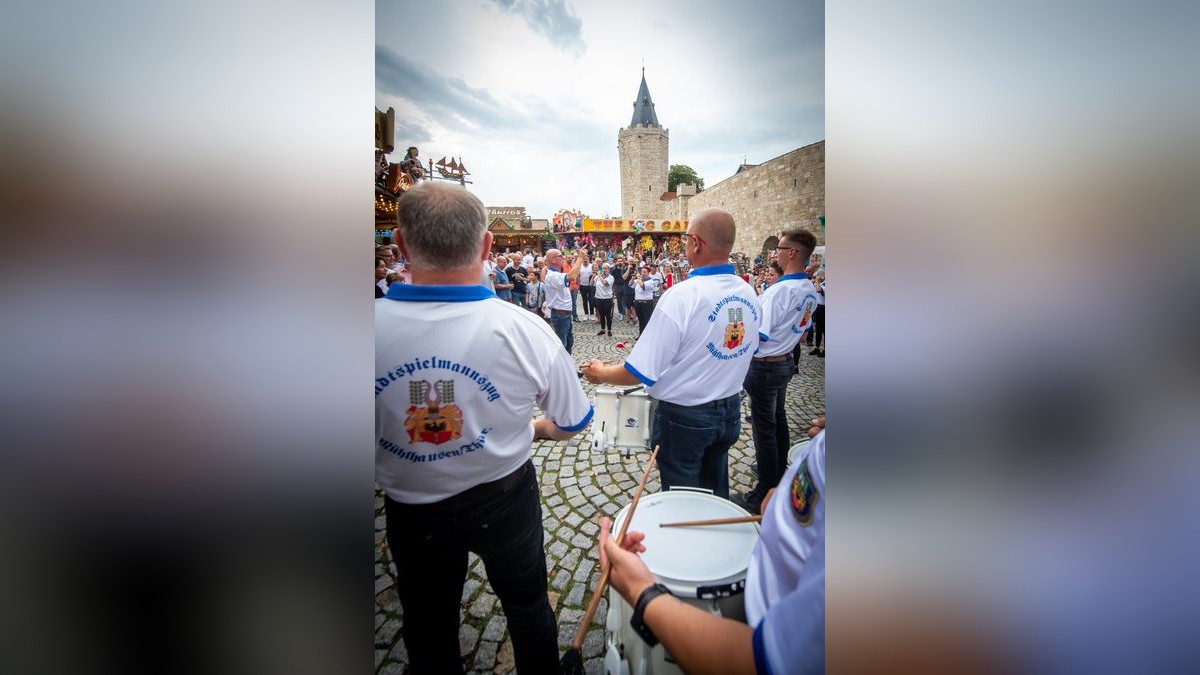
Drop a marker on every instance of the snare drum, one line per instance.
(622, 420)
(703, 566)
(797, 450)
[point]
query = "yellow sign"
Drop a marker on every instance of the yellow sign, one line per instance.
(636, 226)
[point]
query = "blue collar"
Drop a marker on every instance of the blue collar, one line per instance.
(415, 293)
(711, 270)
(798, 276)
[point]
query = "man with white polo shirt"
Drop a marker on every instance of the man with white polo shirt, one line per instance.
(788, 306)
(457, 373)
(693, 358)
(556, 282)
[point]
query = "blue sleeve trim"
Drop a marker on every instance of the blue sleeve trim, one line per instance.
(576, 427)
(763, 337)
(641, 378)
(761, 665)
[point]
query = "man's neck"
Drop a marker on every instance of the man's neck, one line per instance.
(459, 277)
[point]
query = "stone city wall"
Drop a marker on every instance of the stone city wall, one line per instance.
(780, 194)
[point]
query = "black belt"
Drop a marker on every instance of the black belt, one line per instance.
(773, 359)
(562, 312)
(643, 301)
(485, 491)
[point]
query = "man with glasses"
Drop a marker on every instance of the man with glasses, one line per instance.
(788, 306)
(693, 358)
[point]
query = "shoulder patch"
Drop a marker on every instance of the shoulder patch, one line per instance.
(804, 495)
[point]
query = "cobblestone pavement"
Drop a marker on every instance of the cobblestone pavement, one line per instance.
(578, 487)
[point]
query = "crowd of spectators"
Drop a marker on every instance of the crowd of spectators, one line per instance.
(608, 286)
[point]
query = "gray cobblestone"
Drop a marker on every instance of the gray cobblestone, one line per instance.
(482, 606)
(485, 655)
(386, 634)
(495, 629)
(560, 580)
(575, 597)
(593, 643)
(468, 636)
(382, 584)
(470, 586)
(585, 568)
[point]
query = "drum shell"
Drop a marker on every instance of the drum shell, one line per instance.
(623, 418)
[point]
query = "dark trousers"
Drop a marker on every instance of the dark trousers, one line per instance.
(619, 298)
(819, 326)
(429, 545)
(694, 443)
(766, 384)
(587, 293)
(604, 309)
(643, 309)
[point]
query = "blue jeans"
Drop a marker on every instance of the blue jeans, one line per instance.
(766, 383)
(429, 544)
(575, 303)
(563, 328)
(693, 443)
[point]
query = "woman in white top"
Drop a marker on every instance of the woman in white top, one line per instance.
(586, 290)
(603, 299)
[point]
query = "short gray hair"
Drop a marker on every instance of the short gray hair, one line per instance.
(442, 225)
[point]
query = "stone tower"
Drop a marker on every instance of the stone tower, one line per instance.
(643, 156)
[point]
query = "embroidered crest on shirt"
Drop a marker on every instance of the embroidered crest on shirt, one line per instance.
(735, 330)
(806, 311)
(804, 495)
(433, 417)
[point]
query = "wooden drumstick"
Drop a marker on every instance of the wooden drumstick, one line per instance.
(580, 632)
(718, 521)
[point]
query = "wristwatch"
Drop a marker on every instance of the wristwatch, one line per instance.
(637, 621)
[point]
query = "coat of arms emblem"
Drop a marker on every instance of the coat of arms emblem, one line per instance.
(735, 330)
(433, 417)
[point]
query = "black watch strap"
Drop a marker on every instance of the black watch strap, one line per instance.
(637, 621)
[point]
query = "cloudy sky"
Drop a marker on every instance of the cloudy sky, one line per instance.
(531, 93)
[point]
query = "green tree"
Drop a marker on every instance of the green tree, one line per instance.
(682, 173)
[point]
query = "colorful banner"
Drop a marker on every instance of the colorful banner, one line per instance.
(638, 226)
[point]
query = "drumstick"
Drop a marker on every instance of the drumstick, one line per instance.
(718, 521)
(580, 632)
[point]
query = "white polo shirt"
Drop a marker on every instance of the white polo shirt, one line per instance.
(457, 371)
(698, 346)
(604, 286)
(785, 589)
(558, 290)
(644, 289)
(788, 306)
(585, 275)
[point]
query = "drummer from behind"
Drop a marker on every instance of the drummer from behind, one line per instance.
(785, 587)
(693, 358)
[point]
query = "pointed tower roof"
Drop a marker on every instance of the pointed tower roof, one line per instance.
(643, 107)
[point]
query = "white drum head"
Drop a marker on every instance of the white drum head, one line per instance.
(688, 558)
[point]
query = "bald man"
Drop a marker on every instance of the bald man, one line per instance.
(693, 358)
(556, 281)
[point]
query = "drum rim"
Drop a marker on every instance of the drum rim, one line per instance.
(682, 587)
